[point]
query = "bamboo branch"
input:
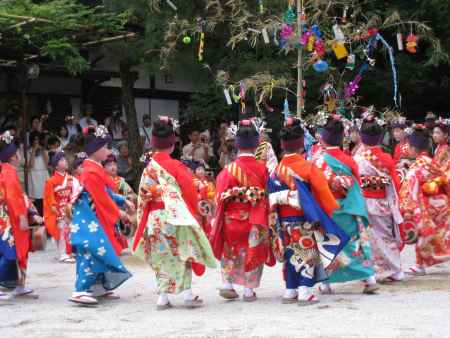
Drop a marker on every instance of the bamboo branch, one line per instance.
(111, 39)
(20, 17)
(20, 24)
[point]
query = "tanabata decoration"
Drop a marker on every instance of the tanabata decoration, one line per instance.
(201, 47)
(411, 43)
(400, 41)
(351, 62)
(286, 112)
(289, 16)
(261, 6)
(339, 50)
(338, 34)
(187, 40)
(286, 31)
(344, 15)
(353, 86)
(320, 66)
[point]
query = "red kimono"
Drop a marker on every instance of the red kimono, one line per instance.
(15, 200)
(240, 231)
(57, 194)
(442, 155)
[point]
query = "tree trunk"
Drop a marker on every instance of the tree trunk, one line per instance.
(128, 78)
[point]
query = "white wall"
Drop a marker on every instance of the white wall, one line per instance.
(164, 107)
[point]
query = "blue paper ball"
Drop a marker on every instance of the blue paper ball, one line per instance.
(320, 66)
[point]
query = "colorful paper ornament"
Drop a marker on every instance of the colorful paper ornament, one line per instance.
(305, 37)
(411, 43)
(319, 48)
(339, 50)
(289, 16)
(286, 31)
(352, 87)
(351, 62)
(310, 44)
(320, 66)
(338, 34)
(400, 41)
(187, 40)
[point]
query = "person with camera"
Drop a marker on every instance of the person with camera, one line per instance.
(199, 149)
(116, 126)
(227, 151)
(72, 126)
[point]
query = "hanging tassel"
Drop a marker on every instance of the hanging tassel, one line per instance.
(338, 34)
(286, 111)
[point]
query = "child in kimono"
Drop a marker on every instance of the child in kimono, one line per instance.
(14, 222)
(240, 233)
(306, 239)
(94, 227)
(402, 157)
(169, 236)
(355, 260)
(121, 187)
(440, 137)
(425, 197)
(380, 184)
(59, 189)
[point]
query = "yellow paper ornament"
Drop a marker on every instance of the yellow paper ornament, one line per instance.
(339, 50)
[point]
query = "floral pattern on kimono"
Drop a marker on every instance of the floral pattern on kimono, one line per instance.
(384, 212)
(97, 260)
(429, 214)
(171, 240)
(355, 260)
(442, 156)
(308, 240)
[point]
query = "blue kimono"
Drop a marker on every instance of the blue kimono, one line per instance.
(97, 260)
(310, 240)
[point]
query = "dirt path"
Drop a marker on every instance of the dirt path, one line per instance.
(419, 307)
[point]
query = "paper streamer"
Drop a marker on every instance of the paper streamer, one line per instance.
(227, 96)
(265, 35)
(400, 41)
(171, 4)
(201, 47)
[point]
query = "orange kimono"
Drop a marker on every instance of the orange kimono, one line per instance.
(14, 241)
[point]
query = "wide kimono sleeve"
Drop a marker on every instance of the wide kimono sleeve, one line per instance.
(410, 201)
(49, 215)
(17, 209)
(117, 198)
(106, 209)
(321, 191)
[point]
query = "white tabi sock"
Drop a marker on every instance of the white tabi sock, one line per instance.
(290, 293)
(371, 280)
(304, 292)
(163, 299)
(188, 295)
(248, 292)
(228, 286)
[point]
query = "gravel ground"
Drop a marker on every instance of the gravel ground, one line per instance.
(419, 307)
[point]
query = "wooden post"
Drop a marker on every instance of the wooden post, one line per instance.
(24, 127)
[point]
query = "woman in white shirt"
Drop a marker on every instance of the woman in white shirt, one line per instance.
(38, 172)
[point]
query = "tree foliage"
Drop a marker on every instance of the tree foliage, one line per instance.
(55, 30)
